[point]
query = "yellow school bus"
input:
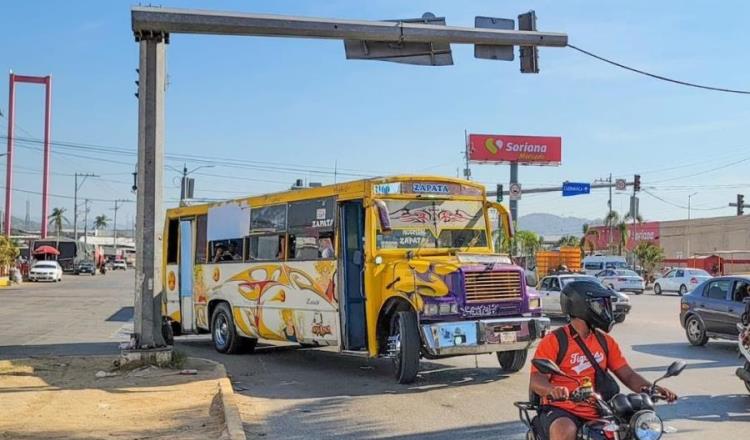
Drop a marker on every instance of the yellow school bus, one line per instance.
(401, 267)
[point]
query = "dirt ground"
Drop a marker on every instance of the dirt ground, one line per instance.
(62, 398)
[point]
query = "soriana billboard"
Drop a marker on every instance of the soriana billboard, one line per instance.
(527, 150)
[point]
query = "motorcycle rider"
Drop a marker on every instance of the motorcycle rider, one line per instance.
(589, 306)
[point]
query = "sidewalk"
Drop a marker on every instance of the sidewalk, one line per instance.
(68, 398)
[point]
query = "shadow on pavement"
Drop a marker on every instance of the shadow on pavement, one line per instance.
(68, 349)
(292, 372)
(709, 408)
(715, 354)
(324, 419)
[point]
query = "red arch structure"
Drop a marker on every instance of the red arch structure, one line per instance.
(47, 81)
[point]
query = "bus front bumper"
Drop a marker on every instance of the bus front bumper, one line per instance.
(482, 336)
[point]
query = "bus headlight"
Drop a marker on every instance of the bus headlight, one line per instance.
(646, 425)
(430, 309)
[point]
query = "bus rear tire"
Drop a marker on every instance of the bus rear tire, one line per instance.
(512, 361)
(224, 334)
(404, 336)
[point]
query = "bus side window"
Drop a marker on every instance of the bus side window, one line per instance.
(226, 251)
(172, 240)
(269, 247)
(311, 229)
(311, 245)
(201, 224)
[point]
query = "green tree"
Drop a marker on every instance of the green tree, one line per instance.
(649, 257)
(56, 220)
(8, 252)
(567, 240)
(101, 221)
(587, 240)
(529, 242)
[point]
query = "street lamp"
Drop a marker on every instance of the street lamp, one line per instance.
(186, 185)
(690, 196)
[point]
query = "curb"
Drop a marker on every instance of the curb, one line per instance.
(232, 418)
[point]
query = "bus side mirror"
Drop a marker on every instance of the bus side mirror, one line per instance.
(383, 217)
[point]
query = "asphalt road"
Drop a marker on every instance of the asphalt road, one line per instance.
(292, 393)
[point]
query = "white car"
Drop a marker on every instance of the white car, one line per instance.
(119, 265)
(680, 280)
(622, 280)
(551, 286)
(46, 271)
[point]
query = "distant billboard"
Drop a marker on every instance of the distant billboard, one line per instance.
(602, 237)
(525, 150)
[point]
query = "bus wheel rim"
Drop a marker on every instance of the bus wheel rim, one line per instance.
(221, 331)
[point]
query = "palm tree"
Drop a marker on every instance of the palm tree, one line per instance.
(649, 256)
(567, 240)
(611, 221)
(56, 220)
(622, 230)
(101, 221)
(586, 239)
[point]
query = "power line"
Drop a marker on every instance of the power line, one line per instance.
(660, 77)
(677, 205)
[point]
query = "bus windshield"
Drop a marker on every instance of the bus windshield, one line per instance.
(424, 224)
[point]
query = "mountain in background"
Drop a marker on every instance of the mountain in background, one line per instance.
(551, 226)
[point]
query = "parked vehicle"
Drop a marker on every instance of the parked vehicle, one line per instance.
(743, 341)
(71, 251)
(119, 265)
(593, 264)
(47, 270)
(85, 267)
(714, 309)
(400, 268)
(681, 280)
(625, 416)
(622, 280)
(550, 287)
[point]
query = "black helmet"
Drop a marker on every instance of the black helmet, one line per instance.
(590, 302)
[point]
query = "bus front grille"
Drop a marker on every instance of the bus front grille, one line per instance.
(492, 286)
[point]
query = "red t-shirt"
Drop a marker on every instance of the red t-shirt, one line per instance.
(576, 364)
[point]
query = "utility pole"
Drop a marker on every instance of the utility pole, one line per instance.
(740, 204)
(114, 227)
(75, 200)
(467, 169)
(85, 223)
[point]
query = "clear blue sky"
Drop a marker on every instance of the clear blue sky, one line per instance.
(301, 104)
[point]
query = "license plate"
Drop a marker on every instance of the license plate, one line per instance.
(508, 337)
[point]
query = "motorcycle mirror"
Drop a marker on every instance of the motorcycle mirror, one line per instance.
(675, 369)
(546, 366)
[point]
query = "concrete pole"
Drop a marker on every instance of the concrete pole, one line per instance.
(85, 225)
(115, 229)
(513, 207)
(9, 157)
(75, 207)
(45, 175)
(514, 203)
(150, 218)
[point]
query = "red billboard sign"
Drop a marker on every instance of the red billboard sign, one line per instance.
(602, 237)
(526, 150)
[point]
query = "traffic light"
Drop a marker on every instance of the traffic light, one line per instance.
(529, 54)
(740, 204)
(636, 183)
(499, 195)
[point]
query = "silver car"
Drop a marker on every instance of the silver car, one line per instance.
(622, 280)
(681, 280)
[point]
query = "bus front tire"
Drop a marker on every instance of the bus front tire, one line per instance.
(224, 334)
(404, 336)
(512, 361)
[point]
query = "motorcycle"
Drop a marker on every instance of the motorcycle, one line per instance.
(743, 342)
(624, 417)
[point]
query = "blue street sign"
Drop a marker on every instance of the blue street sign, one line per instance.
(575, 188)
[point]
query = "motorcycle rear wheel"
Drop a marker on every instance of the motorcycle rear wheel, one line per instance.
(747, 368)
